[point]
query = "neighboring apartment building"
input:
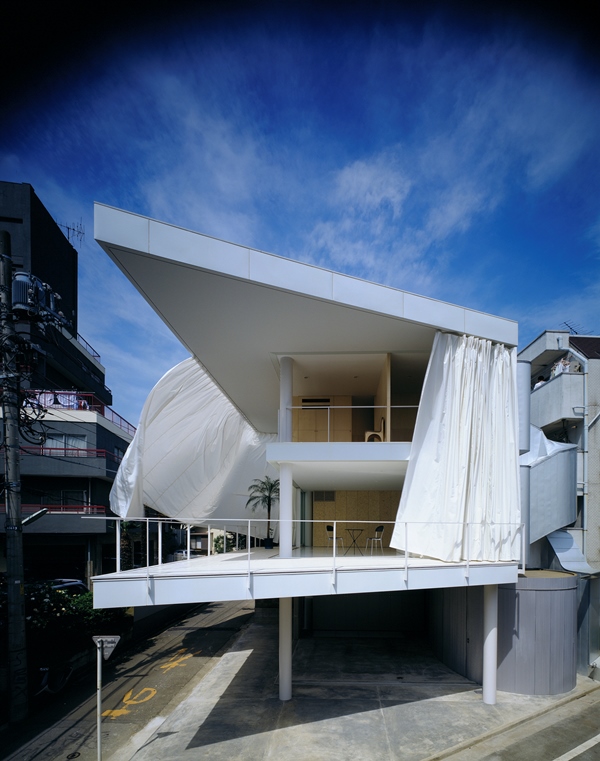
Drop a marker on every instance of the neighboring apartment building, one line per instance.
(565, 405)
(70, 472)
(375, 408)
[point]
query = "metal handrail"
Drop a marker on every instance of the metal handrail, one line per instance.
(515, 530)
(72, 452)
(333, 407)
(60, 509)
(82, 402)
(88, 346)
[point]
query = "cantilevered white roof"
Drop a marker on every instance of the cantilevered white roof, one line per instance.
(238, 310)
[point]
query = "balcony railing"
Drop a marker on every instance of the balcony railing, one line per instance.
(41, 450)
(60, 509)
(88, 347)
(353, 552)
(560, 398)
(83, 402)
(334, 425)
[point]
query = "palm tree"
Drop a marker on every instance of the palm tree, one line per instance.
(264, 493)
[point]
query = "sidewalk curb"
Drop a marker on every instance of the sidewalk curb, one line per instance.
(580, 692)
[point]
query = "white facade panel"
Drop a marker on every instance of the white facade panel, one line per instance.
(308, 451)
(197, 250)
(432, 312)
(290, 275)
(494, 328)
(120, 228)
(349, 290)
(124, 590)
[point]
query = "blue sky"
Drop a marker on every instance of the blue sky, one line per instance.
(440, 150)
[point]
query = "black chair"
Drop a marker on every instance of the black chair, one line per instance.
(330, 537)
(377, 538)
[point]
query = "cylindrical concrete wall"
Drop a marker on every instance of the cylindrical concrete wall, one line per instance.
(537, 634)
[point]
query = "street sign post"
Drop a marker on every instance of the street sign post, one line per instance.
(105, 645)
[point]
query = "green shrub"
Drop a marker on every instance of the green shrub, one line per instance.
(57, 619)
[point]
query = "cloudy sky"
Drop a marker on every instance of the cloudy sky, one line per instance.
(449, 150)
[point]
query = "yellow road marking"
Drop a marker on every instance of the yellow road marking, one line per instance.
(131, 699)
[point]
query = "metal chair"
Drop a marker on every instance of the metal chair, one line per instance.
(377, 538)
(330, 537)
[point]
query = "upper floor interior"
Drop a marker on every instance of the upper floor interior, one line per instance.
(359, 350)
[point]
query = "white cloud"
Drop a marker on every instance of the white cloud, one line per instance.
(388, 176)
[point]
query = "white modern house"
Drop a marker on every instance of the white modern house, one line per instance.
(392, 423)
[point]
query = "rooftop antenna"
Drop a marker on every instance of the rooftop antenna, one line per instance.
(573, 328)
(76, 231)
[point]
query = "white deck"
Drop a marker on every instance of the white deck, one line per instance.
(310, 572)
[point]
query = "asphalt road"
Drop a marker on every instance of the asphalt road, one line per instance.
(136, 687)
(567, 732)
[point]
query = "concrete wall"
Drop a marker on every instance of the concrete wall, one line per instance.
(537, 634)
(593, 512)
(375, 614)
(456, 629)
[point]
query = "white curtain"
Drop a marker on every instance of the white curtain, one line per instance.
(193, 456)
(461, 494)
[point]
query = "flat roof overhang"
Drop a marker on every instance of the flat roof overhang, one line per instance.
(264, 575)
(237, 310)
(379, 466)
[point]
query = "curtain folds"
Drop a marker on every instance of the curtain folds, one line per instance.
(193, 456)
(461, 494)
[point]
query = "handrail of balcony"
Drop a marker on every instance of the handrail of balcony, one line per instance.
(60, 509)
(88, 347)
(80, 401)
(513, 530)
(73, 452)
(334, 407)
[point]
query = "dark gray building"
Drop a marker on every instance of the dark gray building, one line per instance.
(71, 471)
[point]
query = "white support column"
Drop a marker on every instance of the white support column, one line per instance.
(286, 510)
(285, 648)
(286, 367)
(524, 404)
(490, 643)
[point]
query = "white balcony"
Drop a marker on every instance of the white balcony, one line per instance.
(262, 573)
(561, 398)
(343, 465)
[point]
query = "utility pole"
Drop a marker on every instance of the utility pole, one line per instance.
(9, 379)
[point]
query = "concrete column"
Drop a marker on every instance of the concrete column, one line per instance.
(490, 643)
(286, 510)
(285, 648)
(525, 476)
(286, 367)
(524, 403)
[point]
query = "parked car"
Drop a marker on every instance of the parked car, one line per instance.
(72, 586)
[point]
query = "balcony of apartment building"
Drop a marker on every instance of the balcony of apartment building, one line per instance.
(560, 397)
(67, 455)
(60, 518)
(70, 448)
(79, 407)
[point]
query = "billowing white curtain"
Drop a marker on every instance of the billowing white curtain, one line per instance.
(461, 494)
(193, 456)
